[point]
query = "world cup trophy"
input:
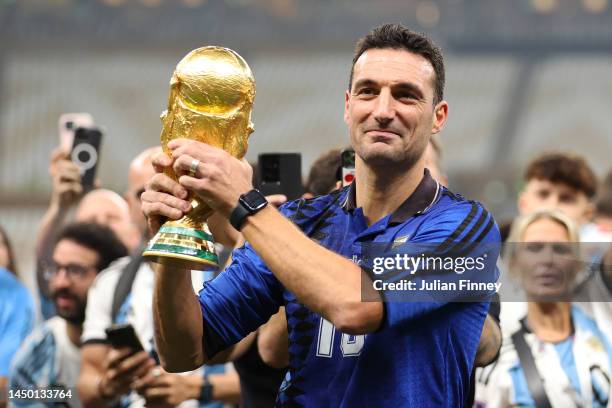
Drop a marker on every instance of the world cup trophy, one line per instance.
(211, 98)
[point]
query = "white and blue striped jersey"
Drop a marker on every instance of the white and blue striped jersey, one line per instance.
(575, 372)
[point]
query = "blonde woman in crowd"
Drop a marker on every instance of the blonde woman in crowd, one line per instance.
(558, 357)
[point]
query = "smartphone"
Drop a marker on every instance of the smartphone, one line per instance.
(85, 153)
(280, 173)
(68, 123)
(348, 166)
(123, 335)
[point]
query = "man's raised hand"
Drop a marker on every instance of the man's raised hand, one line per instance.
(163, 198)
(219, 178)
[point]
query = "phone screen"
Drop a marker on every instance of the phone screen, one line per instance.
(123, 335)
(85, 153)
(348, 166)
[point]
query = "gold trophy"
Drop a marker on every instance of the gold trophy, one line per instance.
(211, 98)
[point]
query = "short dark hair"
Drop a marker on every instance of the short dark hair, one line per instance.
(324, 173)
(603, 203)
(563, 168)
(398, 37)
(96, 237)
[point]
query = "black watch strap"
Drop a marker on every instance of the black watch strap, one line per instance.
(238, 216)
(206, 392)
(248, 204)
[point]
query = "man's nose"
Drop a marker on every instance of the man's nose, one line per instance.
(61, 279)
(385, 111)
(552, 202)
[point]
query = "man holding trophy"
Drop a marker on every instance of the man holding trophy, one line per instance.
(342, 351)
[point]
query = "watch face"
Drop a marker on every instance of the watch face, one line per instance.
(253, 200)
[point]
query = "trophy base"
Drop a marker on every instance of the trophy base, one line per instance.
(181, 247)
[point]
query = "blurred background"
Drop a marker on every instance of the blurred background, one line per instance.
(523, 76)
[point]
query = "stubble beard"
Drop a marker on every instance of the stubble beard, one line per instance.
(75, 316)
(390, 157)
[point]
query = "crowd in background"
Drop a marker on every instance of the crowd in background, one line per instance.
(556, 346)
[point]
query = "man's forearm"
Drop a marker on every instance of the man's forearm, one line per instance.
(49, 226)
(3, 389)
(324, 281)
(226, 387)
(490, 343)
(273, 341)
(92, 371)
(89, 392)
(178, 321)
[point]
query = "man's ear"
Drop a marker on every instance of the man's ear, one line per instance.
(347, 97)
(522, 202)
(439, 117)
(589, 212)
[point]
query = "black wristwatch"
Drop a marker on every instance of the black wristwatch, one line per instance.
(248, 204)
(206, 391)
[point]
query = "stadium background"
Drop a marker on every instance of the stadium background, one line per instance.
(523, 76)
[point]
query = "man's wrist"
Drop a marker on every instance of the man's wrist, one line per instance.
(101, 391)
(206, 391)
(195, 383)
(249, 204)
(58, 209)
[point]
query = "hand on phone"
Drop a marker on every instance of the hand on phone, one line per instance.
(122, 367)
(68, 123)
(66, 178)
(163, 389)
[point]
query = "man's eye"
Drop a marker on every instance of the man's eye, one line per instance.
(365, 91)
(543, 194)
(405, 96)
(570, 199)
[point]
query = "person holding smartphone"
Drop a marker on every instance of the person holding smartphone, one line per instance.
(50, 357)
(114, 369)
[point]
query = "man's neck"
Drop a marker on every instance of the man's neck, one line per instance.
(74, 332)
(550, 321)
(381, 191)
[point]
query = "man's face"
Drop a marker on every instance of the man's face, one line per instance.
(389, 109)
(545, 195)
(71, 274)
(109, 209)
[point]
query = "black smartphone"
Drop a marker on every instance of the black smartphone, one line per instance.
(280, 173)
(348, 166)
(86, 153)
(123, 335)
